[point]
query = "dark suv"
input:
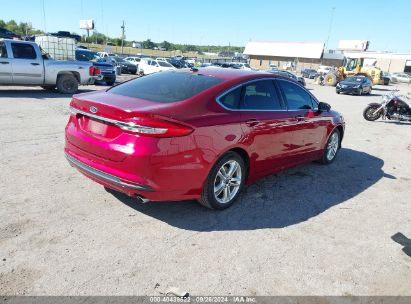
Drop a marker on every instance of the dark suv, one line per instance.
(107, 69)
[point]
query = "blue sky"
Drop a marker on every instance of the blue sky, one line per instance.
(386, 24)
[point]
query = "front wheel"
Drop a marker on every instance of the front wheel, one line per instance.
(331, 148)
(224, 182)
(370, 113)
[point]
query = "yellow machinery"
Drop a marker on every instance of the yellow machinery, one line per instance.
(351, 67)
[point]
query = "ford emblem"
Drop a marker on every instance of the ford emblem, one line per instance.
(93, 110)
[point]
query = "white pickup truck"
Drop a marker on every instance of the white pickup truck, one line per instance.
(23, 63)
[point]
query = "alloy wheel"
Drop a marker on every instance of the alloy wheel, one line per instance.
(227, 181)
(332, 146)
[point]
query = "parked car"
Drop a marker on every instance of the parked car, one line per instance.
(65, 34)
(133, 60)
(107, 69)
(288, 74)
(242, 65)
(149, 66)
(125, 66)
(105, 54)
(402, 77)
(386, 77)
(309, 73)
(354, 85)
(23, 63)
(324, 69)
(6, 34)
(198, 134)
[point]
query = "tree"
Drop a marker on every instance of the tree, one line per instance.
(148, 44)
(167, 45)
(2, 24)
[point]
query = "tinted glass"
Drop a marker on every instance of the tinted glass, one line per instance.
(297, 97)
(3, 50)
(164, 64)
(86, 56)
(232, 99)
(260, 95)
(166, 86)
(23, 51)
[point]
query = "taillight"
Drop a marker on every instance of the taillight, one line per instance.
(155, 128)
(94, 71)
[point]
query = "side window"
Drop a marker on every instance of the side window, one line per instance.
(3, 50)
(23, 51)
(153, 63)
(297, 98)
(232, 99)
(260, 95)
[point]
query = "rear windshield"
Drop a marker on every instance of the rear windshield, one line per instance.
(166, 86)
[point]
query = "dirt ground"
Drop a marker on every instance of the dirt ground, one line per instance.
(312, 230)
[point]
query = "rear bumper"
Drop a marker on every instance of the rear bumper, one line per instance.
(105, 177)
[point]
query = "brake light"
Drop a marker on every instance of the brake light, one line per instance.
(94, 71)
(154, 127)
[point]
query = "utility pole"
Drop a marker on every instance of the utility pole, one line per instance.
(122, 37)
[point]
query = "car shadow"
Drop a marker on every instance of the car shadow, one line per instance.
(394, 122)
(278, 201)
(381, 89)
(38, 93)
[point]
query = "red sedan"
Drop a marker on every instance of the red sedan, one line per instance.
(198, 134)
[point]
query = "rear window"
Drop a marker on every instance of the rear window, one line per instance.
(166, 86)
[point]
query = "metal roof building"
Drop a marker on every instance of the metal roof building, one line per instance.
(289, 55)
(313, 50)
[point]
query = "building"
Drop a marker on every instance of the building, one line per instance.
(291, 55)
(299, 55)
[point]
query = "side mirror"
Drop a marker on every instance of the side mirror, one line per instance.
(324, 107)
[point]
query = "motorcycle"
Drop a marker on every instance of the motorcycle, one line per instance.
(392, 107)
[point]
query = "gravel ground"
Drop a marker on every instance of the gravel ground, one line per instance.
(312, 230)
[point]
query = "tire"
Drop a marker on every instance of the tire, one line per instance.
(333, 143)
(67, 84)
(110, 83)
(49, 88)
(330, 80)
(216, 191)
(367, 113)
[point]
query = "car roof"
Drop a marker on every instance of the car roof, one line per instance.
(231, 74)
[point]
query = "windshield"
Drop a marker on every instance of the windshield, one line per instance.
(87, 56)
(166, 87)
(118, 59)
(164, 64)
(354, 79)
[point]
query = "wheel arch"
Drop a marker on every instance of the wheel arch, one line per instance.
(75, 74)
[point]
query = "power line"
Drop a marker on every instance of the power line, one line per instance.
(330, 26)
(44, 18)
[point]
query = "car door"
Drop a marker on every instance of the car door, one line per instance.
(310, 126)
(27, 64)
(267, 126)
(5, 65)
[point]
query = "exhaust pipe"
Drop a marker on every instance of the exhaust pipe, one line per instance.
(142, 200)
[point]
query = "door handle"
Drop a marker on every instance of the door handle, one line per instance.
(300, 118)
(252, 122)
(4, 62)
(35, 63)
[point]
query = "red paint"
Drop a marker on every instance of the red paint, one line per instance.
(176, 166)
